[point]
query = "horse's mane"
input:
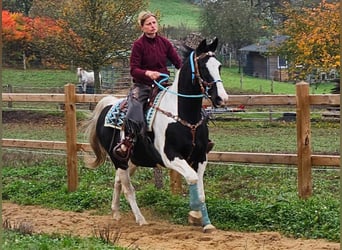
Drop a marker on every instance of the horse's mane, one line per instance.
(184, 52)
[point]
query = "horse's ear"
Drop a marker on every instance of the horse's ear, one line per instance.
(212, 47)
(201, 47)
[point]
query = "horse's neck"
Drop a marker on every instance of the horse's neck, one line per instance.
(189, 108)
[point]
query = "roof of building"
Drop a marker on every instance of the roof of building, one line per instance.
(265, 46)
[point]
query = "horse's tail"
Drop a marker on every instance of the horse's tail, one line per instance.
(90, 132)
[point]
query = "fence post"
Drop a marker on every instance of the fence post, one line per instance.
(10, 90)
(71, 141)
(303, 140)
(176, 182)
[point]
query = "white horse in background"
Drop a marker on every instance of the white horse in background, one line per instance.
(86, 78)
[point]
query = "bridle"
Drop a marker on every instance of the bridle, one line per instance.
(195, 75)
(204, 85)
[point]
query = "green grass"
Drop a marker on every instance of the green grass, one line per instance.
(239, 136)
(276, 137)
(239, 197)
(36, 78)
(252, 85)
(16, 241)
(177, 13)
(49, 79)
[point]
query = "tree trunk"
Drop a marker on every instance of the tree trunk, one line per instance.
(24, 61)
(97, 81)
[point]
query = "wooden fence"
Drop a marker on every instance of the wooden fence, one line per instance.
(304, 159)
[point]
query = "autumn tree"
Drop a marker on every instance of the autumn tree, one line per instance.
(15, 36)
(49, 36)
(314, 38)
(47, 8)
(94, 32)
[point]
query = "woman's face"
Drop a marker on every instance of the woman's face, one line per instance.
(150, 26)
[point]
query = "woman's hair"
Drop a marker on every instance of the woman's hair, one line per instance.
(143, 16)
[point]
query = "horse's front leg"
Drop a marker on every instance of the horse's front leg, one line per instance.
(199, 213)
(197, 198)
(84, 87)
(129, 193)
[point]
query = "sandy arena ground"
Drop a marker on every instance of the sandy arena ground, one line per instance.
(158, 235)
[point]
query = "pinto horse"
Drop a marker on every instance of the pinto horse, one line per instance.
(179, 133)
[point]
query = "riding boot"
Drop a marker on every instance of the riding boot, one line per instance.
(134, 122)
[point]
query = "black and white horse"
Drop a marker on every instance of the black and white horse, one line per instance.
(87, 80)
(179, 133)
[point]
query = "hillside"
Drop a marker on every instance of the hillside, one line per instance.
(177, 12)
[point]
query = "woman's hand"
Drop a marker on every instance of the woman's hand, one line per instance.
(154, 75)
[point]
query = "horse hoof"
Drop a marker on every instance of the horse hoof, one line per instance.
(142, 222)
(116, 216)
(195, 218)
(209, 228)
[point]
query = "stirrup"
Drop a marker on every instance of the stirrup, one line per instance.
(121, 154)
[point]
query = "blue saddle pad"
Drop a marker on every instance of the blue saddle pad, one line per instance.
(117, 113)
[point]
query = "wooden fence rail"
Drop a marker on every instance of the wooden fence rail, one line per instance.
(304, 159)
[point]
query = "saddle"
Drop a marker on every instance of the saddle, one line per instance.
(116, 115)
(144, 152)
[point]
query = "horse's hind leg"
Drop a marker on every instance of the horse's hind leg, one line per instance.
(116, 197)
(129, 193)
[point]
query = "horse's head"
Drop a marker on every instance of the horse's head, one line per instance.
(207, 72)
(79, 71)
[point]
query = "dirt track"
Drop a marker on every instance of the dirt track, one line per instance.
(157, 235)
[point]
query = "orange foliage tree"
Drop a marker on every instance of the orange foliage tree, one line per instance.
(14, 27)
(27, 38)
(15, 36)
(313, 45)
(49, 36)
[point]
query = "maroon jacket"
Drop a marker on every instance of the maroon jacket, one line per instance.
(151, 54)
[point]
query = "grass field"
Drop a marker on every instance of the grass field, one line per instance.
(47, 79)
(177, 13)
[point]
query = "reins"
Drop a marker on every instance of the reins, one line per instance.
(161, 87)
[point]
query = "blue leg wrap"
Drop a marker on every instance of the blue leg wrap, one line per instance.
(197, 205)
(205, 216)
